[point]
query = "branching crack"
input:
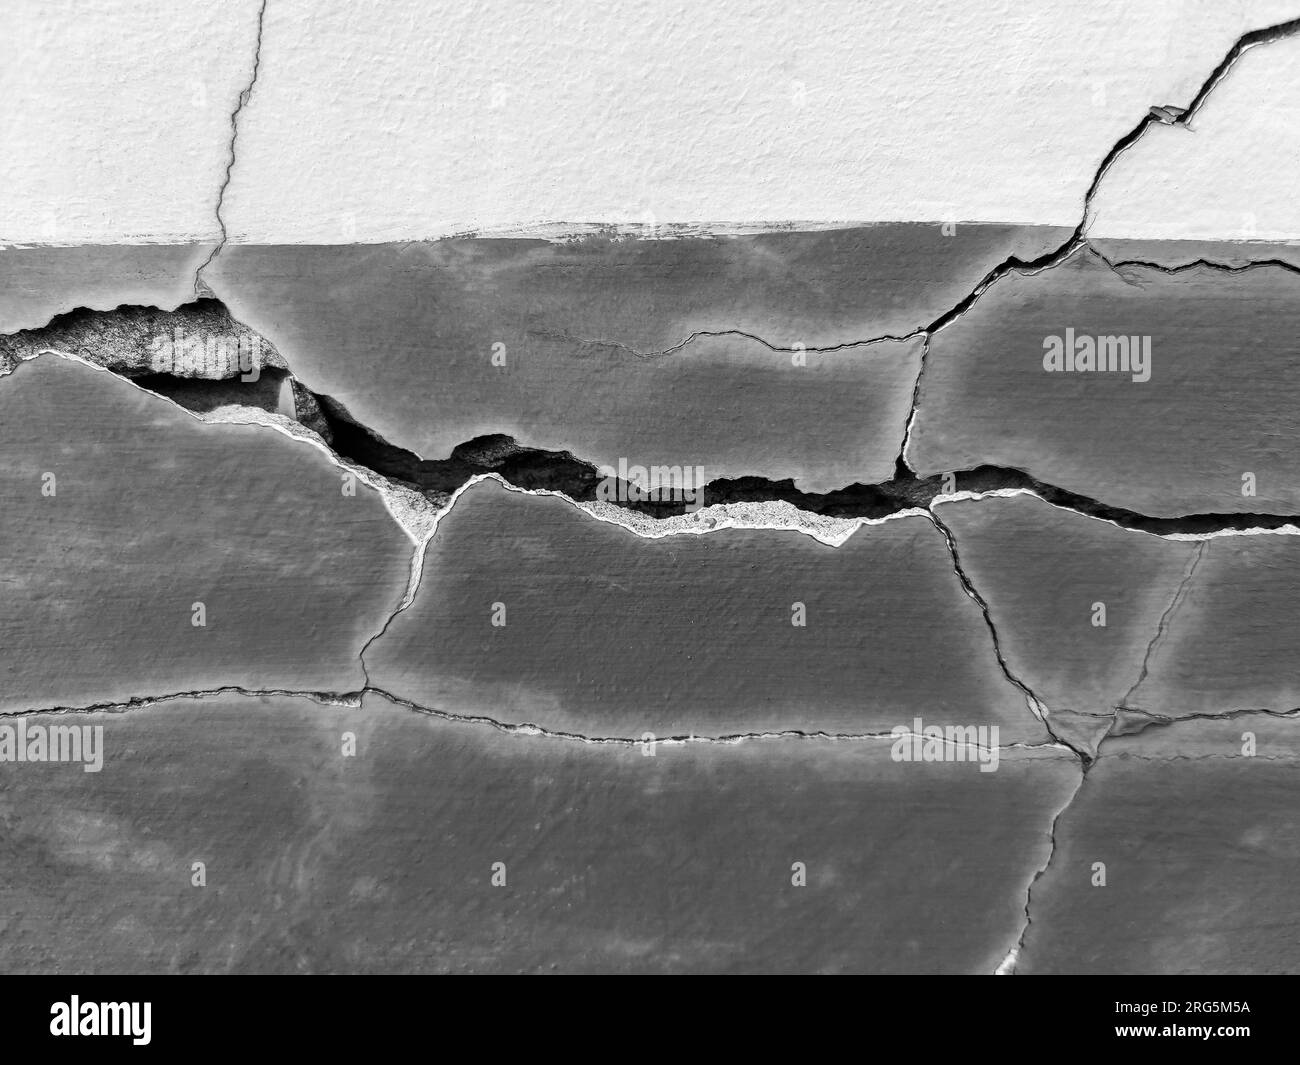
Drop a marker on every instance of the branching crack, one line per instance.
(1079, 238)
(534, 470)
(1035, 704)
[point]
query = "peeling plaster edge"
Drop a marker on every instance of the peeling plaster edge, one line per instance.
(418, 518)
(1007, 493)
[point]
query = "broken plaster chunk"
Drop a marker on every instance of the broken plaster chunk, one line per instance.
(198, 340)
(150, 552)
(531, 611)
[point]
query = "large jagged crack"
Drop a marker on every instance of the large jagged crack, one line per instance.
(532, 469)
(1243, 44)
(529, 469)
(200, 286)
(208, 380)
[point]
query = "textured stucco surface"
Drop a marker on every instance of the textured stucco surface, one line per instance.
(153, 512)
(387, 122)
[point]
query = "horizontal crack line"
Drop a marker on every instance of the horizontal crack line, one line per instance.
(1210, 715)
(699, 334)
(353, 700)
(436, 484)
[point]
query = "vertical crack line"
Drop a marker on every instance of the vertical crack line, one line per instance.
(900, 465)
(408, 597)
(1007, 967)
(200, 286)
(1036, 705)
(973, 593)
(1166, 618)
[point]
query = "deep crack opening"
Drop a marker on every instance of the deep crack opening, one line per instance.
(201, 358)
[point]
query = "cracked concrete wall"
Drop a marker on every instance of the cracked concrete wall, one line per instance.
(915, 529)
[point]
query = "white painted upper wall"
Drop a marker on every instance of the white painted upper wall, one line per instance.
(115, 116)
(402, 120)
(1233, 172)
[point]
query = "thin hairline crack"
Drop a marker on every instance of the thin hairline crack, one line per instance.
(201, 286)
(353, 700)
(1166, 618)
(1010, 963)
